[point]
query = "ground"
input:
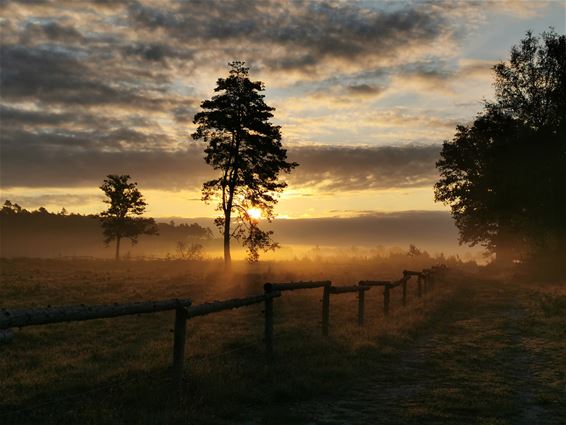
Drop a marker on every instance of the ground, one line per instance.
(476, 350)
(485, 360)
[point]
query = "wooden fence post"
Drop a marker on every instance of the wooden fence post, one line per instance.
(386, 298)
(361, 306)
(404, 291)
(325, 309)
(268, 323)
(179, 348)
(420, 286)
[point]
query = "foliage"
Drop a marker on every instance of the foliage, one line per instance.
(14, 209)
(9, 208)
(41, 233)
(190, 251)
(125, 204)
(503, 175)
(246, 150)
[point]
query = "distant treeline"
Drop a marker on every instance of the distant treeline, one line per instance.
(40, 233)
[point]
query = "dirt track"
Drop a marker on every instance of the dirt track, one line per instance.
(472, 365)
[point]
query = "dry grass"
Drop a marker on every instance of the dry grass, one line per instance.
(477, 351)
(545, 339)
(116, 370)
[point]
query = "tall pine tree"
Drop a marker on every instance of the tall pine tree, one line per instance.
(246, 150)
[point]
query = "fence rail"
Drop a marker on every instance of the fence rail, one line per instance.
(346, 289)
(184, 310)
(72, 313)
(293, 286)
(216, 306)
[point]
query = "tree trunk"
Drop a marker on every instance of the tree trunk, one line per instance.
(118, 248)
(227, 256)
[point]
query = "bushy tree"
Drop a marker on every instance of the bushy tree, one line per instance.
(504, 175)
(121, 219)
(190, 251)
(245, 148)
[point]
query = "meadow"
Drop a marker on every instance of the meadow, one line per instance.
(118, 370)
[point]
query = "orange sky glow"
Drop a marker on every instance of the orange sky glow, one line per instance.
(365, 94)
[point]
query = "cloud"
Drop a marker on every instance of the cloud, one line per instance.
(157, 52)
(34, 32)
(94, 87)
(521, 9)
(325, 121)
(90, 89)
(476, 68)
(121, 139)
(440, 75)
(57, 166)
(364, 90)
(64, 199)
(60, 76)
(34, 119)
(309, 37)
(331, 168)
(322, 168)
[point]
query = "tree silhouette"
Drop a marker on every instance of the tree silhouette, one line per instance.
(246, 149)
(8, 207)
(504, 174)
(121, 219)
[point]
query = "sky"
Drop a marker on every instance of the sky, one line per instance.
(365, 93)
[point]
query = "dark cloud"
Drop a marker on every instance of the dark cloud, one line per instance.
(296, 35)
(18, 119)
(155, 52)
(88, 141)
(360, 168)
(60, 76)
(440, 74)
(63, 199)
(432, 74)
(14, 117)
(73, 53)
(90, 88)
(364, 90)
(53, 31)
(60, 161)
(185, 114)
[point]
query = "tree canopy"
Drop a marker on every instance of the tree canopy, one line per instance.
(126, 204)
(504, 174)
(246, 150)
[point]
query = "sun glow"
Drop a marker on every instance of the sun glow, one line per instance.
(254, 213)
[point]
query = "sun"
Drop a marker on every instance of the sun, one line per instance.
(254, 213)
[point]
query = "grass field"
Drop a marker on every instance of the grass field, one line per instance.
(447, 358)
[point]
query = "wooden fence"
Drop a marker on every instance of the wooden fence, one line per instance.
(184, 310)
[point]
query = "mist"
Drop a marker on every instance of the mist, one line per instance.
(429, 231)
